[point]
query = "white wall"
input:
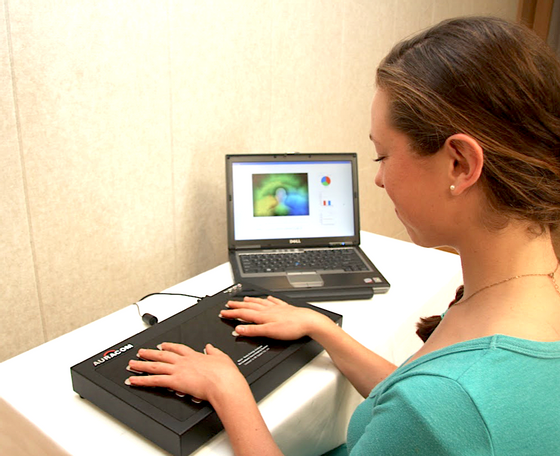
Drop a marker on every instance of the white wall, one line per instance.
(117, 117)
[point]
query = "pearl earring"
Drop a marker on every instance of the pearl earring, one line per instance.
(452, 188)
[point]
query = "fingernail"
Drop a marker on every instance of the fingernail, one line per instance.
(159, 347)
(130, 369)
(227, 305)
(220, 315)
(196, 400)
(234, 333)
(127, 382)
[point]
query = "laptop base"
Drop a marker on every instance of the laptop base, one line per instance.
(315, 295)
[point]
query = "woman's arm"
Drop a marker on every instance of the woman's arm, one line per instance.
(214, 377)
(362, 367)
(275, 319)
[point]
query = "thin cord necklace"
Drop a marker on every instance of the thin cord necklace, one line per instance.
(550, 275)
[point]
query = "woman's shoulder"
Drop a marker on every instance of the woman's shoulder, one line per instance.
(503, 389)
(496, 358)
(485, 351)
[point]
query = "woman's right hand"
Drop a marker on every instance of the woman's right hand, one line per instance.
(274, 318)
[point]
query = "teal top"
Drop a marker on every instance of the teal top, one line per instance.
(496, 395)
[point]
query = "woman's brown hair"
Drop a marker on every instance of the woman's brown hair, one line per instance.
(497, 82)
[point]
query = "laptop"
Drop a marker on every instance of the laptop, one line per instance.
(294, 226)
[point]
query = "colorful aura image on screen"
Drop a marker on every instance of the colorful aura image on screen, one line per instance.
(280, 194)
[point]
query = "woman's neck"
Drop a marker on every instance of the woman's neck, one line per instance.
(491, 257)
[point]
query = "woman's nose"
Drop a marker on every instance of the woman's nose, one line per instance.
(379, 178)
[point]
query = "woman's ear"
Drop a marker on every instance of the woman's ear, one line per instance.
(466, 161)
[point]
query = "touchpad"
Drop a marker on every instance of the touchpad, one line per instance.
(305, 279)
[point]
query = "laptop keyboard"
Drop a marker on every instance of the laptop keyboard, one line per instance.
(314, 259)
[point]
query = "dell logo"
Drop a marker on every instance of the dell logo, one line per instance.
(295, 241)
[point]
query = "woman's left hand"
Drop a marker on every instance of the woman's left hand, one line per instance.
(187, 371)
(274, 318)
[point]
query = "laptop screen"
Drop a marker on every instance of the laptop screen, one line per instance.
(292, 197)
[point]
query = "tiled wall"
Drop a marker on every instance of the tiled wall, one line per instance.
(116, 116)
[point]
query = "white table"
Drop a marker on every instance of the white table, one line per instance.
(307, 415)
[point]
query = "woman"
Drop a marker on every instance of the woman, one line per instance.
(466, 125)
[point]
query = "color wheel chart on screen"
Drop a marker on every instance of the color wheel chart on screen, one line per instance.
(325, 199)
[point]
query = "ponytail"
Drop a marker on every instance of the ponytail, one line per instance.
(426, 326)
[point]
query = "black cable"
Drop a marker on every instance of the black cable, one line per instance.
(171, 294)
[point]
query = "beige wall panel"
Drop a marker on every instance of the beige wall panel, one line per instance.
(21, 326)
(506, 9)
(411, 17)
(368, 31)
(306, 76)
(220, 72)
(444, 9)
(391, 22)
(92, 84)
(126, 110)
(323, 61)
